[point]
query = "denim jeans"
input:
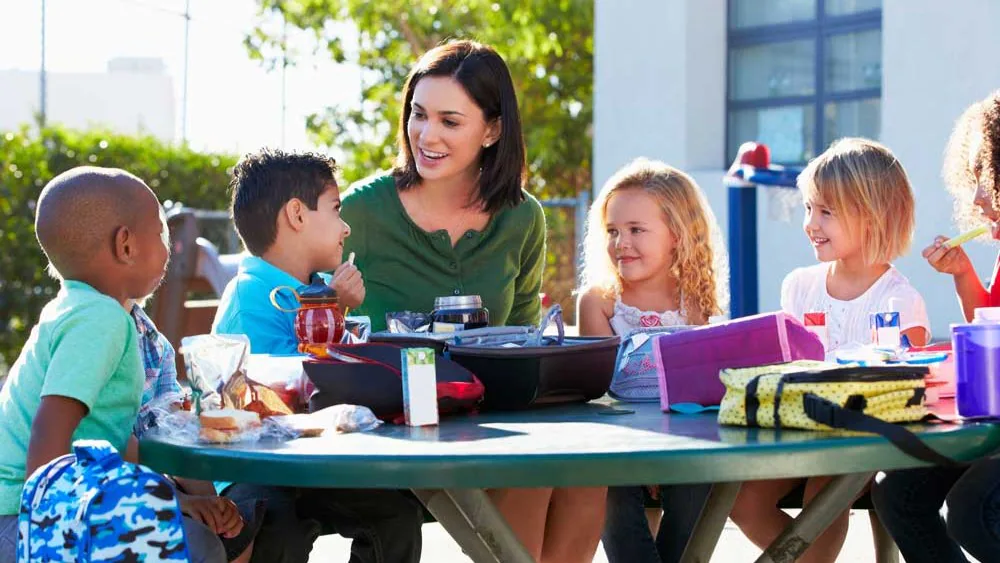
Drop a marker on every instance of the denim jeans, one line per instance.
(627, 538)
(909, 504)
(383, 524)
(8, 538)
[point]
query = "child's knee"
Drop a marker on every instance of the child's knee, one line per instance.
(754, 497)
(748, 503)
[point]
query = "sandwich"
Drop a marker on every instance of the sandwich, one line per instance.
(226, 425)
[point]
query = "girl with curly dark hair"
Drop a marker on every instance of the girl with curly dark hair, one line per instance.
(972, 174)
(909, 502)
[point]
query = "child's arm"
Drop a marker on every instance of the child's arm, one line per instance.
(914, 323)
(954, 261)
(196, 487)
(526, 309)
(52, 430)
(917, 336)
(594, 313)
(132, 450)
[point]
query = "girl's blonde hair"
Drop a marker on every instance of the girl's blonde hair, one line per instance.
(699, 263)
(862, 179)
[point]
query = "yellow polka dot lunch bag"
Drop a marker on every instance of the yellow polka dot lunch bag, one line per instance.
(817, 395)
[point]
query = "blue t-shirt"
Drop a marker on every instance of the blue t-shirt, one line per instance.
(245, 308)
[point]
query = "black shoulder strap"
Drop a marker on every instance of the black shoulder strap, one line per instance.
(835, 416)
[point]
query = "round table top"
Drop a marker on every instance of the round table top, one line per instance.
(600, 443)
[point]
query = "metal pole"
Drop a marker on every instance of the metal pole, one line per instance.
(284, 67)
(580, 218)
(471, 518)
(743, 250)
(711, 521)
(43, 95)
(184, 94)
(835, 498)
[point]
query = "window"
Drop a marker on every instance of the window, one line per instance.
(803, 73)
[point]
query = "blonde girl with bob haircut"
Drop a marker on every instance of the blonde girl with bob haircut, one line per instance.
(859, 216)
(653, 257)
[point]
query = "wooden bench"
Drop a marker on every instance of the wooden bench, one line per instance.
(186, 302)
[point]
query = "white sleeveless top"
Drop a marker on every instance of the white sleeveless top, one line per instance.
(627, 318)
(847, 325)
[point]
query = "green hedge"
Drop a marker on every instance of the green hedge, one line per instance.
(29, 158)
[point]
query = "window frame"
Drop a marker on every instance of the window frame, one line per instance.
(819, 30)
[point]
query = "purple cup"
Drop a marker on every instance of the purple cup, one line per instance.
(976, 348)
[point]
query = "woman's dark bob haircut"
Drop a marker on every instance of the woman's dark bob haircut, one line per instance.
(485, 77)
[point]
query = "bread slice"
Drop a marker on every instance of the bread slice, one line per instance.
(214, 436)
(229, 419)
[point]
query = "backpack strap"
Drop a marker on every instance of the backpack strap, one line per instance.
(833, 415)
(99, 452)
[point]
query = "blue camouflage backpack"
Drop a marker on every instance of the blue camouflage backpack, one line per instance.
(91, 506)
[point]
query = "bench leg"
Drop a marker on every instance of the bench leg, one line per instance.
(469, 516)
(710, 523)
(885, 546)
(834, 499)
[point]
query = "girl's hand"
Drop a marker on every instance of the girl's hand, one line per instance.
(349, 285)
(946, 260)
(218, 513)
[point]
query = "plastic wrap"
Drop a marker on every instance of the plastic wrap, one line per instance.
(402, 322)
(219, 369)
(184, 425)
(356, 330)
(211, 360)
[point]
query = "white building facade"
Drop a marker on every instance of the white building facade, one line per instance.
(686, 81)
(134, 96)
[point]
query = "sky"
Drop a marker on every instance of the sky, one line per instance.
(234, 103)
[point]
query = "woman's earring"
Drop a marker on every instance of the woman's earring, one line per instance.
(487, 144)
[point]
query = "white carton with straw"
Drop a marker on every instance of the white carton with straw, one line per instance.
(419, 387)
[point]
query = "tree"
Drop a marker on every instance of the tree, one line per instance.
(548, 45)
(31, 156)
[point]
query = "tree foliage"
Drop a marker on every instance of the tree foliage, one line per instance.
(548, 45)
(30, 158)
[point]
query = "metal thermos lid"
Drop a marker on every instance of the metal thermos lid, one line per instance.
(458, 302)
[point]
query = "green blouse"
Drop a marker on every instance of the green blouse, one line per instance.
(406, 267)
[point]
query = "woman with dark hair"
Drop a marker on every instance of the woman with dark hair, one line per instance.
(452, 218)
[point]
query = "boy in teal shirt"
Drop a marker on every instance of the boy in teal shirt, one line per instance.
(80, 374)
(286, 208)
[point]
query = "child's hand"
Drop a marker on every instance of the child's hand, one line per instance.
(218, 513)
(349, 285)
(946, 260)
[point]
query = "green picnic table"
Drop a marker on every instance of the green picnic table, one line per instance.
(599, 443)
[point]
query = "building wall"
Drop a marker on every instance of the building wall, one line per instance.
(669, 103)
(938, 57)
(652, 96)
(130, 98)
